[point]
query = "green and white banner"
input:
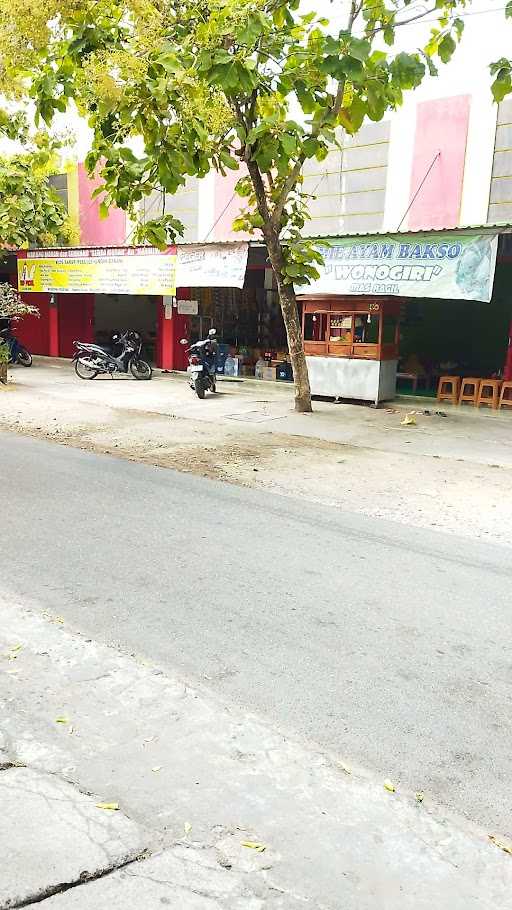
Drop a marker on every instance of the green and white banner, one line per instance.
(452, 266)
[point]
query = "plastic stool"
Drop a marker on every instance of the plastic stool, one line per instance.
(506, 400)
(489, 393)
(469, 390)
(448, 389)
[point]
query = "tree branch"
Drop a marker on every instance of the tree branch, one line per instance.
(329, 116)
(381, 28)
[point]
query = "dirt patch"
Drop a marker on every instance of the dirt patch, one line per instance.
(469, 499)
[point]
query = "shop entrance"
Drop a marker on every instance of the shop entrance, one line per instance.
(249, 323)
(460, 337)
(120, 312)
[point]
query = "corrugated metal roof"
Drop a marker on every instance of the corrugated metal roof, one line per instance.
(498, 227)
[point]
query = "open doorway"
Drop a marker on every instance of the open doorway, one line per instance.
(120, 312)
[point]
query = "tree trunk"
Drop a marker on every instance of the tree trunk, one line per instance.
(292, 325)
(287, 297)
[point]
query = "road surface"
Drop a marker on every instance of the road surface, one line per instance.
(389, 645)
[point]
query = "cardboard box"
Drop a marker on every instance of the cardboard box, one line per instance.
(269, 373)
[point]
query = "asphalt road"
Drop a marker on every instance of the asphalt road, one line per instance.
(390, 645)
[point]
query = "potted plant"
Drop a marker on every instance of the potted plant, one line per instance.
(11, 307)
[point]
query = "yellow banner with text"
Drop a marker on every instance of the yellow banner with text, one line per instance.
(141, 271)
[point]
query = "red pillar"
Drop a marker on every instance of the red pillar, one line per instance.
(165, 336)
(53, 326)
(507, 372)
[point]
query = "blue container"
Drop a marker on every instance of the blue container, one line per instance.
(221, 360)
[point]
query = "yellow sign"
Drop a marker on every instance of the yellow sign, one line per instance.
(137, 270)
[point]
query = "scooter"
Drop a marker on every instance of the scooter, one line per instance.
(91, 360)
(17, 353)
(201, 364)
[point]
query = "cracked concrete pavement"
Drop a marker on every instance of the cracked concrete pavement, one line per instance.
(201, 787)
(51, 833)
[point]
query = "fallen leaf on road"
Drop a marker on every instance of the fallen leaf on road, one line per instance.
(389, 786)
(112, 807)
(188, 827)
(253, 846)
(157, 768)
(408, 421)
(420, 796)
(61, 720)
(12, 653)
(344, 768)
(50, 618)
(503, 845)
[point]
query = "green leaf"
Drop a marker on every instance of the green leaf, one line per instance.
(228, 160)
(407, 70)
(458, 25)
(389, 35)
(502, 86)
(289, 144)
(310, 147)
(446, 48)
(508, 10)
(360, 48)
(352, 68)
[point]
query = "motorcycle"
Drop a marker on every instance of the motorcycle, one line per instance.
(201, 364)
(123, 356)
(17, 353)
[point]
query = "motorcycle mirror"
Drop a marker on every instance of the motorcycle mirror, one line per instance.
(183, 341)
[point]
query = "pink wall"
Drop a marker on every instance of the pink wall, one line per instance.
(224, 187)
(441, 126)
(96, 231)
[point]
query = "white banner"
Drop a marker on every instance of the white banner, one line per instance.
(441, 265)
(211, 265)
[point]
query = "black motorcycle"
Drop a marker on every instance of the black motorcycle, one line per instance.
(123, 356)
(17, 353)
(202, 360)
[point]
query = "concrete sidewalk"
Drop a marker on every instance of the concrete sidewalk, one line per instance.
(452, 473)
(235, 815)
(481, 436)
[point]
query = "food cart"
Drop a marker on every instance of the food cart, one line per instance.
(351, 345)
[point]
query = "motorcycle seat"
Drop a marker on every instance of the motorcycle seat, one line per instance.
(93, 348)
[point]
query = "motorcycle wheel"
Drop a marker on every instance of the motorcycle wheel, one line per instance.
(140, 369)
(24, 357)
(199, 387)
(85, 372)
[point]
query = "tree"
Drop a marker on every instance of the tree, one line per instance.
(31, 211)
(257, 84)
